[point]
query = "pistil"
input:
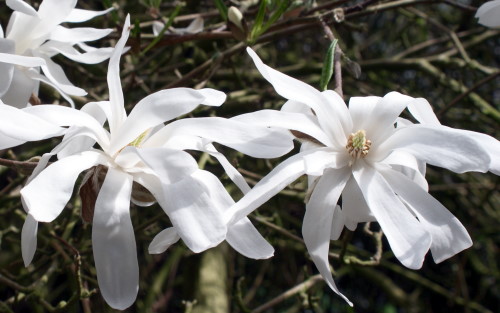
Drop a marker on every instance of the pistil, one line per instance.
(357, 145)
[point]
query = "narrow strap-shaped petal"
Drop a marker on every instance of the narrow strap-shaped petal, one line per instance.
(113, 241)
(160, 107)
(354, 207)
(163, 240)
(407, 164)
(21, 6)
(282, 175)
(317, 224)
(338, 222)
(255, 141)
(293, 89)
(23, 126)
(449, 236)
(288, 120)
(78, 34)
(47, 194)
(422, 111)
(28, 239)
(21, 60)
(437, 145)
(79, 15)
(56, 74)
(7, 69)
(118, 114)
(407, 237)
(39, 77)
(247, 240)
(66, 49)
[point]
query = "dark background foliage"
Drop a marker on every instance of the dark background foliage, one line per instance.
(430, 49)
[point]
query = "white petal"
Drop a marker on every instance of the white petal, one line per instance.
(288, 120)
(354, 207)
(317, 225)
(20, 90)
(15, 125)
(160, 107)
(56, 10)
(255, 141)
(79, 15)
(163, 241)
(38, 77)
(195, 207)
(8, 142)
(1, 32)
(422, 111)
(157, 27)
(47, 194)
(338, 222)
(56, 74)
(293, 89)
(118, 114)
(21, 60)
(377, 118)
(316, 163)
(408, 165)
(489, 144)
(407, 237)
(7, 69)
(21, 6)
(113, 241)
(79, 34)
(28, 239)
(488, 14)
(449, 236)
(437, 145)
(66, 49)
(247, 240)
(282, 175)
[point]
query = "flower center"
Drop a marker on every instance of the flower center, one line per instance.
(357, 144)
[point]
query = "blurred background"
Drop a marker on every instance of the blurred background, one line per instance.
(430, 49)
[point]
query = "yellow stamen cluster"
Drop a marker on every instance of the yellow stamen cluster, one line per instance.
(137, 142)
(357, 144)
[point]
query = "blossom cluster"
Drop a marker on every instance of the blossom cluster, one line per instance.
(365, 153)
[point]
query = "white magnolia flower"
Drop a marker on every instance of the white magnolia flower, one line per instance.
(357, 152)
(489, 13)
(139, 150)
(33, 37)
(194, 27)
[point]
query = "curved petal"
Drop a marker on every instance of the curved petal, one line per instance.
(354, 207)
(316, 163)
(408, 165)
(47, 194)
(169, 165)
(21, 60)
(293, 89)
(317, 225)
(7, 69)
(437, 145)
(39, 77)
(163, 240)
(53, 12)
(195, 207)
(422, 111)
(255, 141)
(449, 236)
(377, 115)
(488, 14)
(56, 75)
(118, 114)
(282, 175)
(247, 240)
(113, 241)
(28, 239)
(338, 222)
(66, 49)
(408, 238)
(79, 15)
(160, 107)
(20, 90)
(288, 120)
(78, 34)
(21, 6)
(15, 125)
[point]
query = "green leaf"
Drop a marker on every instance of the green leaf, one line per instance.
(282, 7)
(327, 71)
(222, 8)
(259, 20)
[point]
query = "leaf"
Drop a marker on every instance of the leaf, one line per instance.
(282, 7)
(222, 8)
(259, 20)
(327, 71)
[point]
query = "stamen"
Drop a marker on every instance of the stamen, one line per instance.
(357, 145)
(137, 141)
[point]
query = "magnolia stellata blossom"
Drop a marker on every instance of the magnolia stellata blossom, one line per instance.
(140, 151)
(489, 14)
(357, 152)
(194, 27)
(33, 37)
